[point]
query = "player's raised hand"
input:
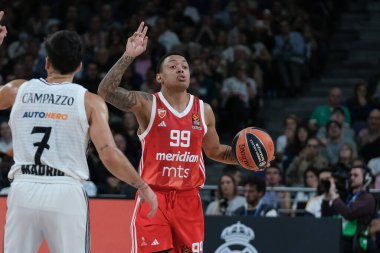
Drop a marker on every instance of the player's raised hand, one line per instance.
(137, 43)
(147, 195)
(3, 29)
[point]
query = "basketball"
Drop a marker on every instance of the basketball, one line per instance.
(253, 148)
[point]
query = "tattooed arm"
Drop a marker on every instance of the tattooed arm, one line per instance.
(109, 88)
(211, 144)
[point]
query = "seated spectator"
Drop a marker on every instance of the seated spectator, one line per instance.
(334, 142)
(313, 206)
(337, 115)
(360, 105)
(254, 190)
(372, 131)
(289, 56)
(310, 179)
(237, 91)
(374, 166)
(287, 139)
(227, 198)
(277, 199)
(346, 156)
(308, 157)
(322, 113)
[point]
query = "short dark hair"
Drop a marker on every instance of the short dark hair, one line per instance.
(64, 50)
(162, 59)
(256, 181)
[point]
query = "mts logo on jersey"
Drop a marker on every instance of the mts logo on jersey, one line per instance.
(182, 139)
(177, 171)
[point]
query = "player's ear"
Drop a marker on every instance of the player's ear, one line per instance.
(159, 78)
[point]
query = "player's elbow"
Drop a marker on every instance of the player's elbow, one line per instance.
(102, 92)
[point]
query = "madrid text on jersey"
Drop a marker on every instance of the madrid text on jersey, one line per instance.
(177, 171)
(47, 98)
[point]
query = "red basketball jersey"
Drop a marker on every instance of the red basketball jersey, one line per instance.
(172, 146)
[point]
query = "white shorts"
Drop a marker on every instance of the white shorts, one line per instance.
(56, 211)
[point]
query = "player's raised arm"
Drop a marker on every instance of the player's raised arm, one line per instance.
(3, 29)
(211, 144)
(109, 88)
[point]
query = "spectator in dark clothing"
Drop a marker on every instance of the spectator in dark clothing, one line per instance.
(254, 190)
(357, 210)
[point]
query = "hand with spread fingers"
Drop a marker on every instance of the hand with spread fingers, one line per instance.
(137, 43)
(3, 29)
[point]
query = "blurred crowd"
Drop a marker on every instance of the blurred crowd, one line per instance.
(241, 53)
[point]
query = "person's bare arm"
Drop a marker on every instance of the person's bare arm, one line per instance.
(3, 29)
(211, 144)
(109, 154)
(109, 88)
(8, 93)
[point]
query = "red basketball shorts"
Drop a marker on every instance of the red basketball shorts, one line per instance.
(178, 224)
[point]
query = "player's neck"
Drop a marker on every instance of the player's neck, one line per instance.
(178, 100)
(54, 77)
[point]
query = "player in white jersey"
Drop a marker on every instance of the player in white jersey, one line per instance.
(52, 120)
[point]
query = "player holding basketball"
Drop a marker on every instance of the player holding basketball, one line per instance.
(174, 126)
(51, 122)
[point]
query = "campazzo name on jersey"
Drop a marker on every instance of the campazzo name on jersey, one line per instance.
(47, 98)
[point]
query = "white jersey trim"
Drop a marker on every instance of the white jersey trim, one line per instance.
(202, 108)
(152, 116)
(174, 111)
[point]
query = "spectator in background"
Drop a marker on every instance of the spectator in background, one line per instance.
(313, 206)
(150, 84)
(165, 36)
(91, 77)
(308, 157)
(289, 56)
(369, 138)
(254, 190)
(335, 140)
(346, 156)
(360, 105)
(310, 180)
(290, 125)
(322, 113)
(336, 115)
(374, 166)
(277, 199)
(235, 171)
(94, 38)
(237, 91)
(227, 198)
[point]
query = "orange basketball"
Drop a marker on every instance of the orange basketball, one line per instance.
(253, 148)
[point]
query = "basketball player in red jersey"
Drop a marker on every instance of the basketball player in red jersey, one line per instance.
(174, 126)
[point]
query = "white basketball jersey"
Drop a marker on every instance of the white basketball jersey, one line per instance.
(49, 129)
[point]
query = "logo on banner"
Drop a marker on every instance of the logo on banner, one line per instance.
(161, 113)
(237, 235)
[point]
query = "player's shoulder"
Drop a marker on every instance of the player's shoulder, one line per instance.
(93, 100)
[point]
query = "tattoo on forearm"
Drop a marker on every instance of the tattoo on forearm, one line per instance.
(228, 155)
(112, 80)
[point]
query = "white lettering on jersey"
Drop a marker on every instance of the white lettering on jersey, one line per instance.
(175, 172)
(178, 157)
